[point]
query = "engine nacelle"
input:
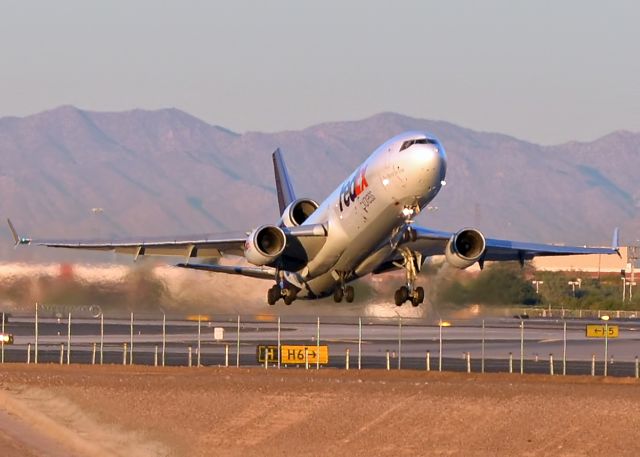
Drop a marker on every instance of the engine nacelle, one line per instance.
(297, 212)
(264, 245)
(465, 248)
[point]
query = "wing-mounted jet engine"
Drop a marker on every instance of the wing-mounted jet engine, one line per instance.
(265, 245)
(465, 248)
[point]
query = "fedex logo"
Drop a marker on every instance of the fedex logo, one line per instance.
(353, 188)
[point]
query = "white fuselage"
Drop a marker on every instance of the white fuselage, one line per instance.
(395, 182)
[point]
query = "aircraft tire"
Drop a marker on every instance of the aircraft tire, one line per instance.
(338, 294)
(349, 294)
(273, 295)
(420, 292)
(398, 297)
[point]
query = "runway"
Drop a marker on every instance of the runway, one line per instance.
(408, 342)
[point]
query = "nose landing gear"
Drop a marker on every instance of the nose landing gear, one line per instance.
(411, 264)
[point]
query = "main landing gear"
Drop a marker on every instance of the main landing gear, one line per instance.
(288, 294)
(411, 264)
(343, 291)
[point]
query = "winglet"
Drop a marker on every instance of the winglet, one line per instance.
(615, 242)
(284, 187)
(16, 239)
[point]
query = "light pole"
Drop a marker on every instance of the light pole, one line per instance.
(573, 285)
(605, 318)
(537, 284)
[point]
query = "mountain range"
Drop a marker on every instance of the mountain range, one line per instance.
(69, 173)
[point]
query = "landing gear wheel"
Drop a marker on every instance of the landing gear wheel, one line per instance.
(290, 295)
(397, 297)
(414, 301)
(273, 295)
(420, 294)
(404, 293)
(349, 294)
(401, 295)
(338, 294)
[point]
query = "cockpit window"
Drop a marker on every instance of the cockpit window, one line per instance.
(409, 143)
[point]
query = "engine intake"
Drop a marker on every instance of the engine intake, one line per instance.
(265, 245)
(297, 212)
(465, 248)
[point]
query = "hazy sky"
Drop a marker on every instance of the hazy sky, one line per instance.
(546, 71)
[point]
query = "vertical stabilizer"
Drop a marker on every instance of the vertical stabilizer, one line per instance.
(283, 183)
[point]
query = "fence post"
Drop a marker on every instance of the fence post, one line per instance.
(593, 364)
(482, 350)
(564, 349)
(199, 339)
(101, 337)
(637, 368)
(28, 353)
(388, 361)
(3, 318)
(93, 355)
(69, 340)
(346, 360)
(155, 357)
(238, 345)
(551, 364)
(124, 353)
(226, 355)
(521, 346)
(164, 336)
(279, 349)
(131, 347)
(190, 356)
(511, 362)
(35, 355)
(359, 343)
(61, 353)
(440, 349)
(468, 362)
(266, 358)
(428, 361)
(399, 343)
(306, 358)
(318, 346)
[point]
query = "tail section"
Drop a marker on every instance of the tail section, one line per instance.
(284, 187)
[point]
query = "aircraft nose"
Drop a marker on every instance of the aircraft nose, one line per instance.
(433, 160)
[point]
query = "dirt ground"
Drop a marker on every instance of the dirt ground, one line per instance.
(49, 410)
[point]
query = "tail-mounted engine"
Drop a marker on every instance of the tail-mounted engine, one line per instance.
(265, 245)
(465, 248)
(297, 212)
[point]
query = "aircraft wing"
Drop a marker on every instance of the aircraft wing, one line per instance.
(433, 242)
(186, 246)
(206, 245)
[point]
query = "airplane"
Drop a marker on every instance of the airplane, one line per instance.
(365, 226)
